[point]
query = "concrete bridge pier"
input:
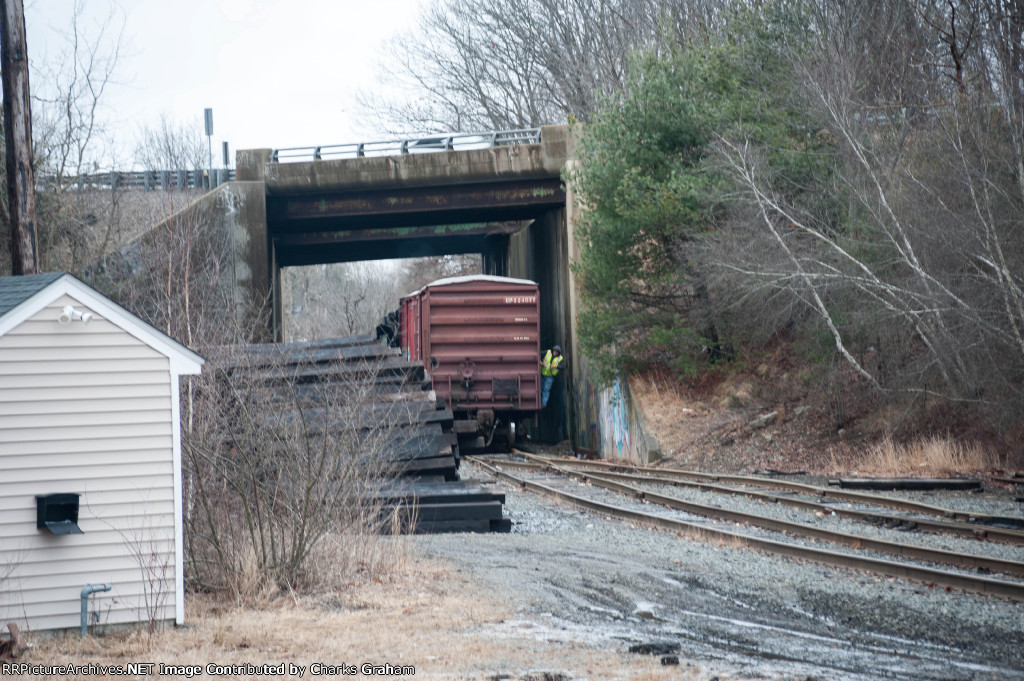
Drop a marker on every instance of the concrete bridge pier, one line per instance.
(495, 257)
(251, 165)
(541, 253)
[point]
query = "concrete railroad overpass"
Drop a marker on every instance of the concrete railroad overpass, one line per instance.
(506, 202)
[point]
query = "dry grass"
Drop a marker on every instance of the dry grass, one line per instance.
(698, 428)
(671, 416)
(343, 558)
(355, 552)
(933, 456)
(423, 614)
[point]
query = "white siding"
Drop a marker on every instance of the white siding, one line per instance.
(85, 408)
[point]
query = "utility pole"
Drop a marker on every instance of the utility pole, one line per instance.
(21, 186)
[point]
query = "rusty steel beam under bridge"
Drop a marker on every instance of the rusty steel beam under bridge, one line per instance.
(404, 222)
(406, 206)
(384, 243)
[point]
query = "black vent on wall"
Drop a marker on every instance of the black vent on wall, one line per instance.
(58, 513)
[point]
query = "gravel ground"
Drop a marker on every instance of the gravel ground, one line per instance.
(733, 613)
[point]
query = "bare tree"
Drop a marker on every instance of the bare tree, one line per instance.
(171, 146)
(277, 464)
(344, 299)
(919, 282)
(68, 137)
(75, 81)
(500, 64)
(418, 272)
(175, 277)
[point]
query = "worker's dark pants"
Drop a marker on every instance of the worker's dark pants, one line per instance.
(545, 389)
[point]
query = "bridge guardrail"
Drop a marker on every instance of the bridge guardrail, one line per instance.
(146, 180)
(418, 145)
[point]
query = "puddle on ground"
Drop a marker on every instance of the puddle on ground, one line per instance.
(741, 646)
(610, 599)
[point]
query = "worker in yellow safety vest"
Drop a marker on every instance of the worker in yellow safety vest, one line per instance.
(548, 370)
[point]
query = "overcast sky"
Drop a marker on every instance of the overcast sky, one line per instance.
(277, 73)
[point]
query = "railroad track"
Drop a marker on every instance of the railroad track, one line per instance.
(911, 562)
(871, 508)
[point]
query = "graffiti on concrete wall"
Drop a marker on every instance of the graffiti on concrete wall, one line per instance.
(616, 426)
(610, 422)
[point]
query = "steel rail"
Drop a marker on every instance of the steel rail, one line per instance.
(951, 527)
(800, 488)
(969, 530)
(955, 559)
(910, 551)
(931, 576)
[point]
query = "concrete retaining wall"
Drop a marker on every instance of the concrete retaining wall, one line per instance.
(233, 218)
(624, 434)
(238, 210)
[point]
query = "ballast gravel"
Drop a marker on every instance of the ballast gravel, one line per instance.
(735, 613)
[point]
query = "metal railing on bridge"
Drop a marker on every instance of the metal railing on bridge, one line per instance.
(418, 145)
(144, 180)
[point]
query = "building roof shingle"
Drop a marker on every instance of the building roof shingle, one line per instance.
(16, 290)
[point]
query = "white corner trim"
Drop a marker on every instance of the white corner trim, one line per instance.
(179, 509)
(28, 307)
(183, 360)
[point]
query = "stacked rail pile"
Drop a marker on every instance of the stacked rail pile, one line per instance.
(446, 506)
(359, 389)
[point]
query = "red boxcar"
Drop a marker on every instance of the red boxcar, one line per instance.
(479, 340)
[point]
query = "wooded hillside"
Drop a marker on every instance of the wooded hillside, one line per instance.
(845, 176)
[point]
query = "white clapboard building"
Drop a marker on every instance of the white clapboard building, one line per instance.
(90, 459)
